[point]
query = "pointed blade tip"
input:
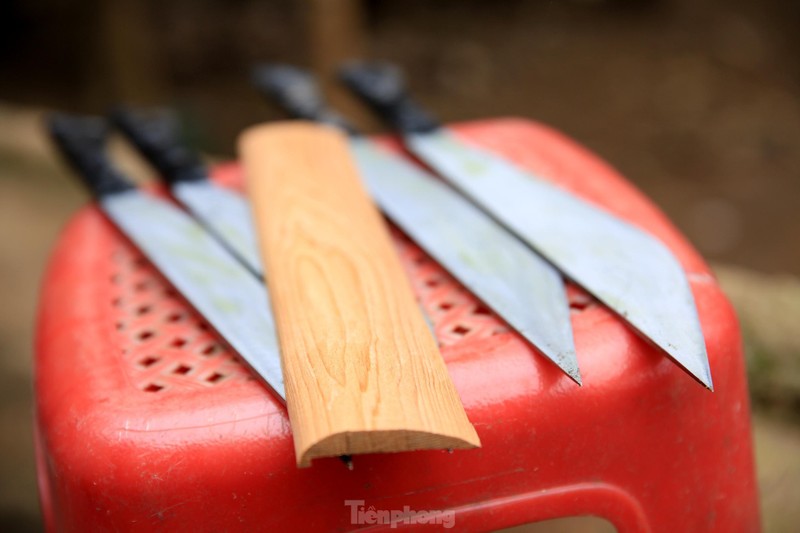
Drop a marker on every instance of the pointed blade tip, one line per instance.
(565, 360)
(702, 376)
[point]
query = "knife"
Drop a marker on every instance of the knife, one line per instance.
(228, 296)
(522, 288)
(628, 270)
(223, 212)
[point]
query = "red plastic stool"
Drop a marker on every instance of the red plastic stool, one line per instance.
(144, 421)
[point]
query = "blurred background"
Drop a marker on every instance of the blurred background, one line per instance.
(696, 102)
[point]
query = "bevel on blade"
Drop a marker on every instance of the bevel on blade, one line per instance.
(521, 287)
(225, 293)
(226, 214)
(628, 270)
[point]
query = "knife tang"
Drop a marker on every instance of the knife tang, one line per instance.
(156, 136)
(383, 87)
(296, 91)
(82, 141)
(224, 213)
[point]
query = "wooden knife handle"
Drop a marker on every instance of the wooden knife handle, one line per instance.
(362, 370)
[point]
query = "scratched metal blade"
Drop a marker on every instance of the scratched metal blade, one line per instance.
(515, 282)
(628, 270)
(224, 213)
(230, 298)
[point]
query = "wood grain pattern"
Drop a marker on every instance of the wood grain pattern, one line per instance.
(362, 370)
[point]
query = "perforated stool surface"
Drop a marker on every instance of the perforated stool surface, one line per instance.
(146, 421)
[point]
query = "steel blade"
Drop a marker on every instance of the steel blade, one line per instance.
(628, 270)
(224, 213)
(520, 286)
(511, 279)
(231, 299)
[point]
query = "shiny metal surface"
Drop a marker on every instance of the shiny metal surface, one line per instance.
(628, 270)
(231, 299)
(526, 291)
(226, 214)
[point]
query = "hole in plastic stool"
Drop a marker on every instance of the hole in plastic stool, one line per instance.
(182, 369)
(174, 317)
(482, 310)
(210, 349)
(150, 360)
(144, 335)
(579, 300)
(579, 306)
(141, 286)
(178, 342)
(461, 330)
(153, 387)
(216, 377)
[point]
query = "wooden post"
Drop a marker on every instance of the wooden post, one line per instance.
(337, 33)
(126, 53)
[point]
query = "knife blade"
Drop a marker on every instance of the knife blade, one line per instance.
(226, 294)
(223, 212)
(628, 270)
(523, 289)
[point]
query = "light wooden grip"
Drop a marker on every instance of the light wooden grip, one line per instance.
(362, 370)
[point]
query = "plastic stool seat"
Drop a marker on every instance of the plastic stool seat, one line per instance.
(146, 422)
